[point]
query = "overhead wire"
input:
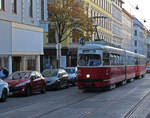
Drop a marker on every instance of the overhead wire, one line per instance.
(136, 8)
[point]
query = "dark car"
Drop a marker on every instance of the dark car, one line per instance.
(26, 82)
(72, 75)
(56, 78)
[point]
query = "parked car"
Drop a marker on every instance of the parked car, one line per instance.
(72, 75)
(26, 82)
(56, 78)
(4, 90)
(148, 69)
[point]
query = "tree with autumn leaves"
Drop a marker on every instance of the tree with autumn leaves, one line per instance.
(68, 16)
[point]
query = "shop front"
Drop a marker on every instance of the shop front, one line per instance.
(68, 58)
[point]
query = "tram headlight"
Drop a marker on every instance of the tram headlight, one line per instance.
(87, 75)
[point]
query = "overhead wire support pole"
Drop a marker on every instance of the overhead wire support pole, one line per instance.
(104, 17)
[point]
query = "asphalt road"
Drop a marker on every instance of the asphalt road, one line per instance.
(129, 101)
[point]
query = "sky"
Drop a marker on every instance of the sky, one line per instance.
(144, 10)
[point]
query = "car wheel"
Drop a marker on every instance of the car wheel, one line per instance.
(43, 90)
(4, 95)
(61, 84)
(28, 91)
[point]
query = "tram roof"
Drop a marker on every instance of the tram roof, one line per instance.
(107, 48)
(101, 47)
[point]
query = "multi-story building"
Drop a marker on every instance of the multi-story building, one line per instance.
(21, 36)
(117, 22)
(139, 38)
(127, 30)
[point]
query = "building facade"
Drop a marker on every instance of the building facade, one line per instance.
(117, 22)
(49, 59)
(139, 37)
(21, 36)
(148, 45)
(93, 8)
(127, 31)
(101, 8)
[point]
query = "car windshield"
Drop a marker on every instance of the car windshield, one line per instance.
(89, 60)
(50, 72)
(71, 71)
(19, 76)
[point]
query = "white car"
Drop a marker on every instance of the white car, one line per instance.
(72, 75)
(148, 69)
(4, 90)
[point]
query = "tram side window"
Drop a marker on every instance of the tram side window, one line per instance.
(122, 60)
(116, 59)
(142, 61)
(106, 59)
(130, 60)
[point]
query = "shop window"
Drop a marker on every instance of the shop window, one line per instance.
(14, 6)
(30, 2)
(51, 36)
(2, 5)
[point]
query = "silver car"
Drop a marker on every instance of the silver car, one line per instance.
(56, 78)
(4, 90)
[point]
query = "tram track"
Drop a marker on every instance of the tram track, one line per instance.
(127, 115)
(135, 107)
(64, 106)
(85, 115)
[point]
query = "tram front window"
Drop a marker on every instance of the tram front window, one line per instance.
(89, 60)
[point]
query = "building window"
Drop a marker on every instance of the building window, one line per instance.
(135, 33)
(30, 8)
(2, 5)
(100, 3)
(14, 6)
(42, 10)
(91, 13)
(135, 43)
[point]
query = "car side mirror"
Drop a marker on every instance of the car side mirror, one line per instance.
(59, 75)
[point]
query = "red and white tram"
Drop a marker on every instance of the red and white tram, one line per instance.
(105, 66)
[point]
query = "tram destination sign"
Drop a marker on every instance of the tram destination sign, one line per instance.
(89, 51)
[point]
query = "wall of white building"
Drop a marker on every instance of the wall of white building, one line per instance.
(21, 36)
(5, 36)
(22, 15)
(26, 40)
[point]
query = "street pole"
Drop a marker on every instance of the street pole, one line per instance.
(58, 47)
